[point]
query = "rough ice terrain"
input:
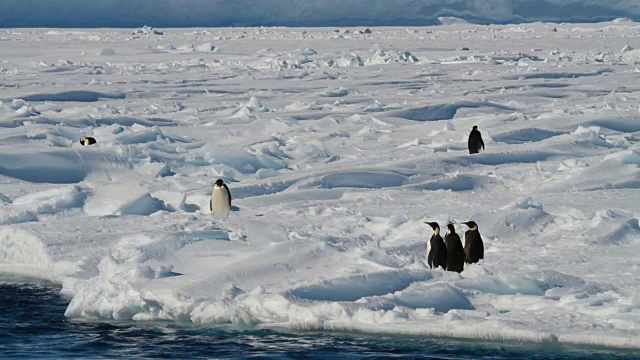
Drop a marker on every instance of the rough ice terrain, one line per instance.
(337, 145)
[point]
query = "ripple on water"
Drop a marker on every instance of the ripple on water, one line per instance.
(32, 325)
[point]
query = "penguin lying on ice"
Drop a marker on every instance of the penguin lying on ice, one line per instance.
(87, 140)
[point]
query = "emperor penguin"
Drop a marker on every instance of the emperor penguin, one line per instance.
(473, 246)
(436, 249)
(220, 202)
(87, 140)
(455, 251)
(475, 141)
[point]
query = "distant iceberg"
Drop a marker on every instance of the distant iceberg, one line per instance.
(220, 13)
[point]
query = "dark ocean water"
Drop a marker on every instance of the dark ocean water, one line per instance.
(32, 325)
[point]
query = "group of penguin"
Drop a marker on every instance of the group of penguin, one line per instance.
(448, 253)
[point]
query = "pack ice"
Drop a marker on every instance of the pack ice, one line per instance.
(337, 146)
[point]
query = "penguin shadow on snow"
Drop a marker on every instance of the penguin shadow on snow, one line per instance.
(167, 274)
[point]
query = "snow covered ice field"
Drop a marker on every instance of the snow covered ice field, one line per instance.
(337, 145)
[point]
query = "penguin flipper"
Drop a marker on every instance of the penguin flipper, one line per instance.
(228, 192)
(210, 204)
(465, 249)
(443, 260)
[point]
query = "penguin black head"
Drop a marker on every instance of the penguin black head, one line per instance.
(434, 225)
(451, 228)
(471, 224)
(475, 127)
(219, 182)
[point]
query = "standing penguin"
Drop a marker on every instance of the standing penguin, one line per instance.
(475, 141)
(87, 140)
(473, 246)
(436, 249)
(220, 202)
(455, 251)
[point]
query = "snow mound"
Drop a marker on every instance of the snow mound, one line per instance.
(60, 167)
(114, 293)
(381, 56)
(107, 52)
(525, 135)
(74, 95)
(456, 183)
(440, 296)
(254, 104)
(525, 215)
(441, 111)
(207, 47)
(594, 177)
(302, 106)
(122, 199)
(349, 60)
(147, 30)
(354, 288)
(627, 232)
(368, 180)
(17, 109)
(48, 201)
(303, 53)
(340, 92)
(23, 252)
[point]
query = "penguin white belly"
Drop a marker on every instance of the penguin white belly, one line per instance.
(220, 202)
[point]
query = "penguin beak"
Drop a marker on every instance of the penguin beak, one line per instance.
(433, 225)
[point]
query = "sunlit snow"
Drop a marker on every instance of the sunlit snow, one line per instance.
(337, 146)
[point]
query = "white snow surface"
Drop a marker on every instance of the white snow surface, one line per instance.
(336, 148)
(189, 13)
